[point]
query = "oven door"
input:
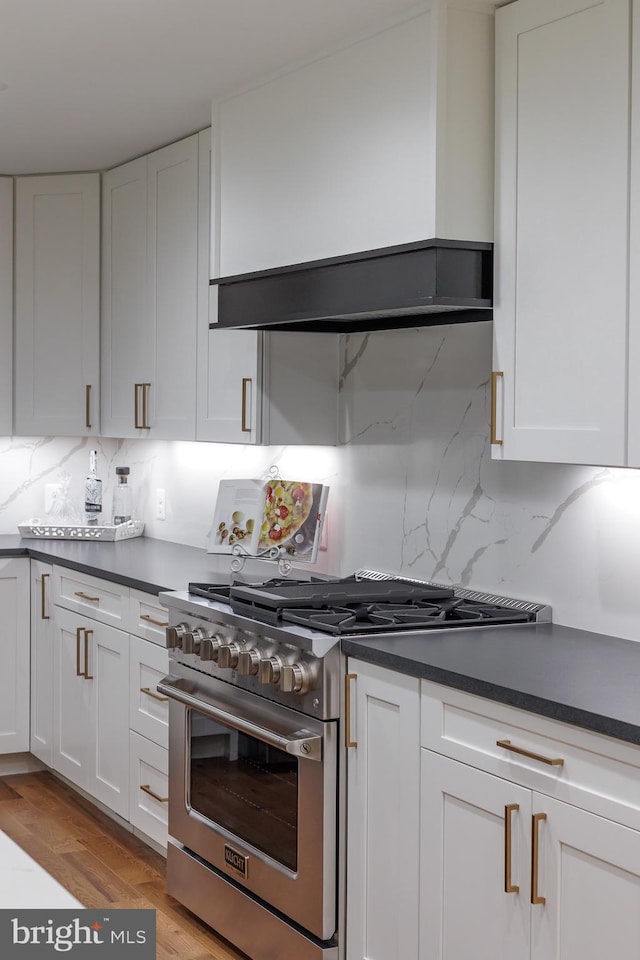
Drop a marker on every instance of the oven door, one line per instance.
(253, 792)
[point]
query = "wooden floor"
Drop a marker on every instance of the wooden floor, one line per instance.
(101, 863)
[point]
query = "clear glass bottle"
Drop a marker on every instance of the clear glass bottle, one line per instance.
(121, 497)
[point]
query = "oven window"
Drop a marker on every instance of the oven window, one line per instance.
(245, 786)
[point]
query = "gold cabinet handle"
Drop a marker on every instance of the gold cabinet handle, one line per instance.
(145, 406)
(156, 696)
(156, 623)
(550, 761)
(87, 406)
(348, 742)
(87, 675)
(535, 843)
(509, 887)
(136, 408)
(85, 596)
(495, 374)
(156, 796)
(244, 427)
(79, 671)
(43, 615)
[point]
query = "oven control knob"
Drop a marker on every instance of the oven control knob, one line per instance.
(192, 640)
(209, 648)
(228, 654)
(296, 678)
(249, 663)
(271, 668)
(174, 635)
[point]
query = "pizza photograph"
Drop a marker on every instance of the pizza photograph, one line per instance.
(291, 516)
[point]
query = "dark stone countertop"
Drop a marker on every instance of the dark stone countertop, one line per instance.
(140, 562)
(587, 679)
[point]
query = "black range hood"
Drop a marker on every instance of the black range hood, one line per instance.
(410, 285)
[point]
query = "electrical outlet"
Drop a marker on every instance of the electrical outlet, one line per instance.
(161, 504)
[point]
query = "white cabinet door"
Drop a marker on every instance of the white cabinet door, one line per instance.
(383, 815)
(474, 864)
(230, 386)
(126, 328)
(91, 719)
(14, 678)
(153, 285)
(57, 305)
(589, 877)
(6, 306)
(561, 269)
(41, 662)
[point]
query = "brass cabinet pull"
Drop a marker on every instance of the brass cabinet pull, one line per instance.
(87, 406)
(535, 820)
(79, 672)
(85, 596)
(550, 761)
(87, 675)
(145, 406)
(156, 623)
(156, 696)
(509, 887)
(147, 789)
(244, 427)
(494, 406)
(136, 409)
(348, 742)
(43, 615)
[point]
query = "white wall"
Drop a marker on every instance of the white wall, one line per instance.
(414, 489)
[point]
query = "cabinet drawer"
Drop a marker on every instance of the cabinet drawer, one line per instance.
(100, 599)
(148, 617)
(149, 786)
(148, 709)
(591, 771)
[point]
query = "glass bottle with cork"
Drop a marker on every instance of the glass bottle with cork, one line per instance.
(121, 497)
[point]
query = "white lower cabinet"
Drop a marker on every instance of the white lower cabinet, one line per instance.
(91, 730)
(149, 787)
(382, 814)
(14, 644)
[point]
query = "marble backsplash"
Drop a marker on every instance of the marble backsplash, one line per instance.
(413, 488)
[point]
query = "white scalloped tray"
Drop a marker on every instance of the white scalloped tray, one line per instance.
(34, 528)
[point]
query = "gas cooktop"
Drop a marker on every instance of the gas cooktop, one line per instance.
(357, 604)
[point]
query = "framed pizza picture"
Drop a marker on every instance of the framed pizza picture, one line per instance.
(253, 517)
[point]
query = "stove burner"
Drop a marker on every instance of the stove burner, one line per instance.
(419, 615)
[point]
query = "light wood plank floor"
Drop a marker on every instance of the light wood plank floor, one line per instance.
(100, 863)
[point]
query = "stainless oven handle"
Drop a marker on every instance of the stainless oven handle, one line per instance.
(302, 744)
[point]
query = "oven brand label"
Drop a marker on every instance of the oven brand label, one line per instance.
(235, 860)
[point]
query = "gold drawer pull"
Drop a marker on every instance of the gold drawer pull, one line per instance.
(551, 761)
(79, 671)
(535, 843)
(156, 696)
(87, 633)
(147, 789)
(509, 887)
(156, 623)
(494, 407)
(348, 742)
(85, 596)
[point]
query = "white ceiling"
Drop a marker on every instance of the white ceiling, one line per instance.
(92, 83)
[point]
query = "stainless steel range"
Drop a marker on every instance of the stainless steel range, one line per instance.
(255, 809)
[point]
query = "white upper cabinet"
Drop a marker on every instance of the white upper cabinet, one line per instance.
(562, 232)
(155, 279)
(385, 142)
(6, 305)
(57, 305)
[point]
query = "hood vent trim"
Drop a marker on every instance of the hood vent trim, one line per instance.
(410, 285)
